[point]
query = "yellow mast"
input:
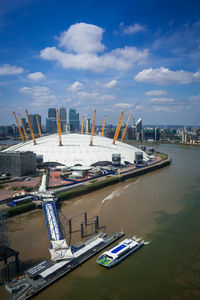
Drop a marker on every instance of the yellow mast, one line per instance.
(118, 127)
(104, 122)
(31, 129)
(59, 127)
(125, 129)
(82, 127)
(20, 132)
(24, 130)
(93, 128)
(38, 125)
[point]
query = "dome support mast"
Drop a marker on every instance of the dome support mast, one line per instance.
(31, 129)
(38, 125)
(59, 127)
(24, 130)
(82, 127)
(20, 131)
(93, 128)
(104, 122)
(125, 129)
(118, 127)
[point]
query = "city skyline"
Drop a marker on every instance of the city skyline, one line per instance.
(133, 56)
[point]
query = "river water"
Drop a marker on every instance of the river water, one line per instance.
(162, 206)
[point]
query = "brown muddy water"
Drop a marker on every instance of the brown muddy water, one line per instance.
(162, 206)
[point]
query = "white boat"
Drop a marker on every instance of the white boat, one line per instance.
(113, 256)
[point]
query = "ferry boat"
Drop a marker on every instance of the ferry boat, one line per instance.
(113, 256)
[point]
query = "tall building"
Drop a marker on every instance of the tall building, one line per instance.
(24, 122)
(74, 120)
(51, 125)
(152, 134)
(138, 127)
(33, 121)
(87, 126)
(52, 113)
(63, 118)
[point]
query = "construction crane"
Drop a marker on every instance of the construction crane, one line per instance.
(118, 127)
(31, 129)
(59, 127)
(38, 125)
(82, 127)
(125, 129)
(104, 122)
(93, 129)
(20, 131)
(24, 130)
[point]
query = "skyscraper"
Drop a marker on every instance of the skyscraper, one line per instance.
(33, 121)
(52, 113)
(51, 126)
(63, 118)
(74, 120)
(138, 126)
(87, 126)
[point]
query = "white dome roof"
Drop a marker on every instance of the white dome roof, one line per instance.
(76, 149)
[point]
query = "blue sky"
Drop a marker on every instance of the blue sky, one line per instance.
(137, 56)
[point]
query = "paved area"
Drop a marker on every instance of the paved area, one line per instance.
(8, 190)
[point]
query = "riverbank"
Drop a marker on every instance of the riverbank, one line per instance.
(94, 186)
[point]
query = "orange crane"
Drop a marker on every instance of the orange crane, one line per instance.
(93, 129)
(20, 131)
(125, 129)
(31, 129)
(59, 127)
(104, 122)
(24, 130)
(38, 125)
(82, 127)
(118, 127)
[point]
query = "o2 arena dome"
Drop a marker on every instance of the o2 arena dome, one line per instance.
(76, 150)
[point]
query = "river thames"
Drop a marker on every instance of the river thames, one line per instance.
(162, 206)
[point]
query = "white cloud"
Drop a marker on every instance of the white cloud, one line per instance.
(82, 38)
(162, 100)
(195, 100)
(124, 105)
(111, 84)
(155, 93)
(95, 96)
(197, 75)
(164, 76)
(166, 108)
(7, 69)
(40, 94)
(76, 86)
(83, 54)
(36, 76)
(132, 29)
(25, 89)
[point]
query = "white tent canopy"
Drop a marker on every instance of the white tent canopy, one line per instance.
(76, 149)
